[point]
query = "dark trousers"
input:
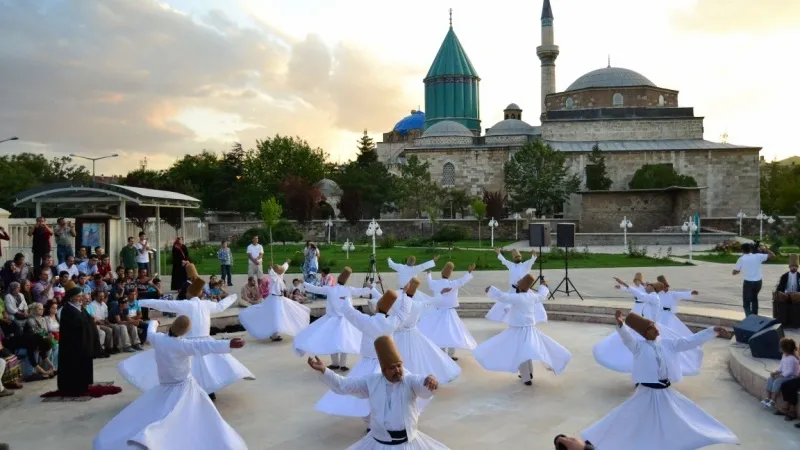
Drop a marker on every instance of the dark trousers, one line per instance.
(62, 252)
(37, 259)
(225, 274)
(789, 391)
(750, 290)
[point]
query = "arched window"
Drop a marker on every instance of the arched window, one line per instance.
(449, 175)
(570, 103)
(617, 99)
(660, 100)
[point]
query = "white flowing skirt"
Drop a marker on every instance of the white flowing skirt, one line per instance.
(612, 353)
(669, 319)
(504, 352)
(212, 372)
(275, 315)
(420, 442)
(445, 329)
(423, 357)
(328, 335)
(167, 417)
(658, 419)
(498, 312)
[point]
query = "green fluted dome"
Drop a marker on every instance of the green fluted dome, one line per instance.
(451, 59)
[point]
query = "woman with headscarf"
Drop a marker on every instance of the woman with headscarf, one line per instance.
(180, 257)
(38, 344)
(10, 370)
(263, 287)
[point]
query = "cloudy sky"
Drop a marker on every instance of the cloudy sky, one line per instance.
(160, 78)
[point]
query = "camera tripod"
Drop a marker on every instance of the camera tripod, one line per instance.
(566, 281)
(372, 273)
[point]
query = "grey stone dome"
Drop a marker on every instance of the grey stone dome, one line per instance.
(610, 77)
(329, 188)
(510, 127)
(513, 106)
(447, 128)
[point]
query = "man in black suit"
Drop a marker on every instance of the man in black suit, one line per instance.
(790, 281)
(77, 345)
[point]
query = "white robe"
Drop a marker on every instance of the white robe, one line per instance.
(276, 314)
(391, 407)
(499, 311)
(442, 325)
(213, 372)
(331, 333)
(371, 328)
(658, 419)
(177, 413)
(669, 310)
(405, 272)
(521, 342)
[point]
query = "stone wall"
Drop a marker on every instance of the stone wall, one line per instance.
(623, 129)
(750, 226)
(476, 169)
(602, 212)
(604, 98)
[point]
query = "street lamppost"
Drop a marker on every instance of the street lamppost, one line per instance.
(516, 219)
(329, 225)
(348, 247)
(200, 226)
(689, 227)
(625, 224)
(12, 138)
(93, 160)
(492, 225)
(740, 215)
(374, 230)
(761, 218)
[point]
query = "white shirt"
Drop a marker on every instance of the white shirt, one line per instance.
(336, 296)
(750, 265)
(372, 327)
(174, 355)
(198, 311)
(72, 270)
(99, 310)
(142, 257)
(448, 299)
(255, 251)
(522, 304)
(516, 270)
(405, 272)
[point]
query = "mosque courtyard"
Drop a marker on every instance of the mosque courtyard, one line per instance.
(480, 410)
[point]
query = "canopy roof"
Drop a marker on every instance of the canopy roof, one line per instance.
(103, 193)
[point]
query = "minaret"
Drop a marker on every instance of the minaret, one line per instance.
(547, 53)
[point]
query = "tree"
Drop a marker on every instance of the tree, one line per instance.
(479, 210)
(24, 171)
(367, 151)
(369, 177)
(538, 177)
(300, 198)
(144, 178)
(415, 190)
(495, 203)
(596, 179)
(659, 176)
(350, 206)
(270, 214)
(780, 188)
(456, 200)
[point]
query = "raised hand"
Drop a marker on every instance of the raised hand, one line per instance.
(620, 282)
(617, 287)
(436, 258)
(487, 289)
(497, 251)
(695, 293)
(316, 364)
(533, 251)
(723, 333)
(471, 268)
(618, 316)
(237, 343)
(431, 383)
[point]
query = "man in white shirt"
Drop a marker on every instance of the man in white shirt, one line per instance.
(69, 266)
(143, 252)
(255, 255)
(88, 267)
(99, 311)
(750, 263)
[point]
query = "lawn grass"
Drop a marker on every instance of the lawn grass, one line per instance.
(731, 259)
(334, 258)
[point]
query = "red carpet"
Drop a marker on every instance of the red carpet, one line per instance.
(94, 391)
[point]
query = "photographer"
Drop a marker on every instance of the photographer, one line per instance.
(65, 233)
(41, 234)
(753, 255)
(311, 259)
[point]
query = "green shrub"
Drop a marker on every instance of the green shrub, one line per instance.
(418, 242)
(452, 233)
(285, 231)
(388, 240)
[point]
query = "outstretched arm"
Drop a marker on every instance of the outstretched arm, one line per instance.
(423, 267)
(682, 295)
(693, 341)
(201, 347)
(459, 283)
(627, 339)
(529, 263)
(421, 387)
(354, 316)
(504, 261)
(357, 387)
(152, 330)
(503, 297)
(222, 305)
(319, 290)
(358, 292)
(171, 306)
(396, 267)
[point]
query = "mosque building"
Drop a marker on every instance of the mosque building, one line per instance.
(634, 122)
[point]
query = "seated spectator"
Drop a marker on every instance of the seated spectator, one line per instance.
(70, 267)
(250, 295)
(99, 252)
(10, 371)
(43, 289)
(83, 285)
(118, 315)
(58, 288)
(207, 287)
(89, 266)
(216, 291)
(119, 274)
(81, 256)
(131, 313)
(10, 329)
(38, 344)
(263, 287)
(47, 267)
(25, 290)
(104, 268)
(297, 292)
(787, 370)
(326, 279)
(109, 338)
(16, 306)
(51, 319)
(16, 270)
(130, 280)
(790, 281)
(98, 284)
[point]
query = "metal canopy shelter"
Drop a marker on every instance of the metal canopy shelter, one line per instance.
(110, 195)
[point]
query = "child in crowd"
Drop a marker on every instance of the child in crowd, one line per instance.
(216, 291)
(297, 293)
(82, 256)
(225, 262)
(787, 370)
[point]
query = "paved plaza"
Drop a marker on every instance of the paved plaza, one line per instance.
(481, 410)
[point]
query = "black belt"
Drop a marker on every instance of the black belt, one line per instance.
(662, 384)
(667, 309)
(637, 301)
(398, 438)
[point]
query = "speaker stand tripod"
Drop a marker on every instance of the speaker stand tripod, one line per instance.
(566, 282)
(373, 274)
(540, 278)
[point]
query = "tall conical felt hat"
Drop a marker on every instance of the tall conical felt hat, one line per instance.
(196, 288)
(663, 280)
(345, 275)
(638, 323)
(447, 270)
(386, 302)
(413, 284)
(515, 254)
(793, 259)
(191, 272)
(278, 269)
(638, 277)
(411, 260)
(658, 286)
(180, 326)
(525, 283)
(387, 351)
(71, 289)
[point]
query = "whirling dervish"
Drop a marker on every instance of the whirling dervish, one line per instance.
(669, 307)
(442, 325)
(409, 270)
(332, 334)
(176, 413)
(612, 353)
(515, 349)
(276, 314)
(657, 417)
(213, 372)
(420, 355)
(516, 270)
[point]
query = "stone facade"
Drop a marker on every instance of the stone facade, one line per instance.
(604, 97)
(476, 169)
(623, 129)
(602, 212)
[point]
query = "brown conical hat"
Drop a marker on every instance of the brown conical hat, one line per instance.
(793, 259)
(524, 284)
(638, 323)
(412, 286)
(411, 260)
(278, 269)
(447, 270)
(515, 253)
(387, 351)
(345, 275)
(71, 289)
(196, 288)
(386, 302)
(191, 272)
(658, 286)
(180, 326)
(638, 277)
(663, 280)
